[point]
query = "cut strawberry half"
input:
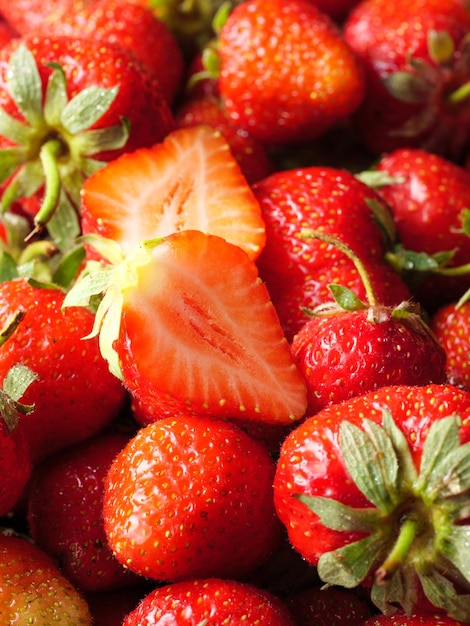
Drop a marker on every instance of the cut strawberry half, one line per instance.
(190, 181)
(188, 325)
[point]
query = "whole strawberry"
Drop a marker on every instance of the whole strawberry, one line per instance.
(68, 105)
(33, 591)
(417, 72)
(353, 347)
(74, 395)
(428, 197)
(373, 492)
(191, 497)
(286, 74)
(212, 602)
(64, 510)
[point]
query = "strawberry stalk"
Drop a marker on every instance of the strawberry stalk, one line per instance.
(400, 550)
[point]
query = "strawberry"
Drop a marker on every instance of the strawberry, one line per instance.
(189, 181)
(286, 74)
(417, 73)
(27, 15)
(331, 606)
(191, 497)
(210, 602)
(451, 326)
(373, 491)
(428, 196)
(61, 123)
(74, 395)
(251, 155)
(65, 517)
(297, 269)
(187, 324)
(132, 26)
(415, 619)
(33, 589)
(352, 347)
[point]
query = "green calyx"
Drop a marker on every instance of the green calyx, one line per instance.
(416, 530)
(53, 146)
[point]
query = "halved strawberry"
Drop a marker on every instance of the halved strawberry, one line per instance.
(189, 326)
(190, 181)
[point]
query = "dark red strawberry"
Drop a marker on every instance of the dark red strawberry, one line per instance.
(65, 518)
(333, 606)
(286, 74)
(209, 601)
(417, 74)
(373, 492)
(428, 197)
(68, 105)
(191, 497)
(74, 395)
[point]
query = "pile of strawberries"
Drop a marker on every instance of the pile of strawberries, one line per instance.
(234, 312)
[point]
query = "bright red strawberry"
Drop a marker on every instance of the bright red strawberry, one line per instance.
(415, 619)
(298, 269)
(27, 15)
(286, 74)
(451, 326)
(33, 591)
(428, 197)
(417, 74)
(74, 395)
(373, 492)
(191, 497)
(251, 155)
(65, 519)
(132, 26)
(331, 606)
(59, 125)
(211, 602)
(352, 347)
(189, 326)
(189, 181)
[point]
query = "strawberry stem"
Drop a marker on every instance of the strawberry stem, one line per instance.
(460, 94)
(394, 561)
(371, 296)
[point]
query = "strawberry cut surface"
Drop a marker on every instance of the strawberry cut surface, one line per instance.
(189, 181)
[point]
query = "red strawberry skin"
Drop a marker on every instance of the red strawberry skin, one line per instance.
(64, 511)
(347, 354)
(15, 465)
(96, 63)
(384, 35)
(233, 602)
(311, 461)
(75, 395)
(191, 497)
(286, 74)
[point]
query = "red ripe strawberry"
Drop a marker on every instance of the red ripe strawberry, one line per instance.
(286, 74)
(416, 63)
(74, 395)
(33, 589)
(133, 26)
(64, 510)
(298, 269)
(251, 155)
(352, 347)
(189, 181)
(415, 619)
(191, 497)
(372, 491)
(27, 15)
(60, 124)
(189, 326)
(210, 601)
(331, 606)
(429, 197)
(451, 325)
